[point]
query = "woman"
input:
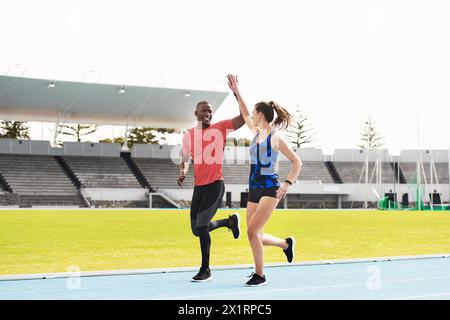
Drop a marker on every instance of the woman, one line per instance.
(265, 190)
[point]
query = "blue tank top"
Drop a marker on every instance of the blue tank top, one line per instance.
(263, 161)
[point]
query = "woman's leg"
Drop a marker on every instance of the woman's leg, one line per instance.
(254, 230)
(267, 239)
(251, 208)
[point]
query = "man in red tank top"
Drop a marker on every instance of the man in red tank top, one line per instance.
(204, 145)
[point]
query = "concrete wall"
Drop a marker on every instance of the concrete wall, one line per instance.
(347, 192)
(105, 194)
(238, 154)
(231, 154)
(359, 155)
(426, 155)
(155, 151)
(92, 149)
(16, 146)
(37, 147)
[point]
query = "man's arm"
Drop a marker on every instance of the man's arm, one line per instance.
(238, 121)
(185, 159)
(184, 167)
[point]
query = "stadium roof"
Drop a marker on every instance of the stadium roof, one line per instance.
(29, 99)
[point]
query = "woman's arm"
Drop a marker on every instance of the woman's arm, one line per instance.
(234, 86)
(295, 168)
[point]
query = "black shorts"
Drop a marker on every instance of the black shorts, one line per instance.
(205, 202)
(254, 195)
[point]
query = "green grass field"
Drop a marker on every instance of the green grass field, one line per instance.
(39, 241)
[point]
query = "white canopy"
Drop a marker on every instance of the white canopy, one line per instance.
(28, 99)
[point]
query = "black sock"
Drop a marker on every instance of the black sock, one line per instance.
(218, 224)
(205, 245)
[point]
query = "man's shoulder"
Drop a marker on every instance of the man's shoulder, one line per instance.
(221, 123)
(188, 131)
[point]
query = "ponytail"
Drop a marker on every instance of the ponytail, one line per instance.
(269, 109)
(283, 119)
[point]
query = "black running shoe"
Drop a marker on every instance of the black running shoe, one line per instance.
(256, 281)
(203, 275)
(235, 225)
(290, 251)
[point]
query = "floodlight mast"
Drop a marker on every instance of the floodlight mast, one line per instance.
(448, 162)
(367, 178)
(419, 207)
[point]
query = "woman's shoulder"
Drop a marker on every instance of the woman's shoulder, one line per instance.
(276, 136)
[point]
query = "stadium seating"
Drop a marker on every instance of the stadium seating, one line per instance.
(38, 180)
(162, 173)
(31, 176)
(409, 171)
(352, 172)
(102, 172)
(311, 171)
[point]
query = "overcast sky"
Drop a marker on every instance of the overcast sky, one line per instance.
(340, 61)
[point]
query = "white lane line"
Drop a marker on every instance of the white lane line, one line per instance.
(141, 285)
(443, 294)
(318, 263)
(303, 288)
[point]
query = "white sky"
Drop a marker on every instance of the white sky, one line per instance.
(341, 61)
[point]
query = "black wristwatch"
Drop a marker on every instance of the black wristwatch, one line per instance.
(288, 181)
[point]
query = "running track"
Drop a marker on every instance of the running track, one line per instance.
(399, 278)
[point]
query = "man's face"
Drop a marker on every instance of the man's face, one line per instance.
(204, 114)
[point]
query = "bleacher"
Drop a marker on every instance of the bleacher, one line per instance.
(163, 173)
(102, 172)
(354, 172)
(33, 173)
(38, 180)
(409, 170)
(311, 171)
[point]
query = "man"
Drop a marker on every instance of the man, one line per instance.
(205, 144)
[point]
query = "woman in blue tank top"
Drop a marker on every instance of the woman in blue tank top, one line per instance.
(265, 189)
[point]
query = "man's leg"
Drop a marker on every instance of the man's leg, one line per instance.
(195, 205)
(204, 274)
(207, 209)
(213, 225)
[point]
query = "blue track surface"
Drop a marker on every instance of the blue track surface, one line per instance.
(398, 279)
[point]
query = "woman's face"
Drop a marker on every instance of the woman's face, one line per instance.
(256, 117)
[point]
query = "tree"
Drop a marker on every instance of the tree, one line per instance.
(120, 140)
(231, 142)
(147, 135)
(14, 130)
(299, 132)
(371, 139)
(241, 142)
(78, 130)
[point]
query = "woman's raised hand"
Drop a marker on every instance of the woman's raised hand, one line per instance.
(233, 82)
